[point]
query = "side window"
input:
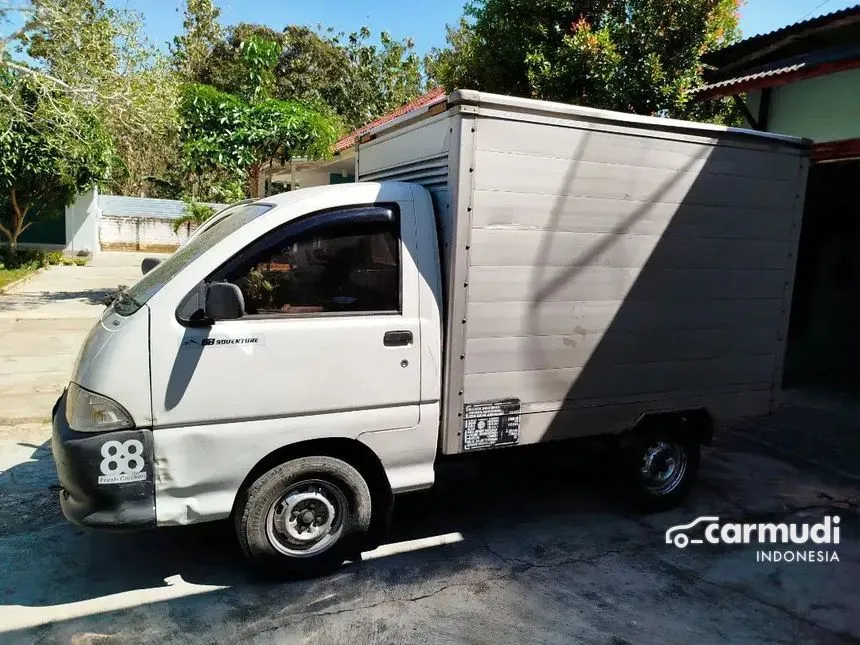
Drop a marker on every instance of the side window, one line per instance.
(341, 267)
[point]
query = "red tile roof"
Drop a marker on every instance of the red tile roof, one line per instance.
(349, 140)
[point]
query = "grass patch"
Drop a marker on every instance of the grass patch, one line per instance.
(8, 276)
(17, 264)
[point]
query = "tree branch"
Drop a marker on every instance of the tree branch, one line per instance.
(35, 73)
(6, 232)
(15, 208)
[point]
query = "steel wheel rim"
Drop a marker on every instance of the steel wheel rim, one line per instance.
(664, 466)
(307, 518)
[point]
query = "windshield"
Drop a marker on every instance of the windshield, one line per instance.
(217, 218)
(132, 299)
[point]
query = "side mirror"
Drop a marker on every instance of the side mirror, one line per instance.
(224, 301)
(149, 264)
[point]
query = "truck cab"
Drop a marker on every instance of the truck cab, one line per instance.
(310, 320)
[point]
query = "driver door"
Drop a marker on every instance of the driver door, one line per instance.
(331, 325)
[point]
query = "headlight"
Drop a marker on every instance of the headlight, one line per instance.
(90, 412)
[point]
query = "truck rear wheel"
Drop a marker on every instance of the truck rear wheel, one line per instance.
(659, 467)
(304, 517)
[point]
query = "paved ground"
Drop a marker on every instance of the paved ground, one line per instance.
(536, 552)
(525, 550)
(43, 323)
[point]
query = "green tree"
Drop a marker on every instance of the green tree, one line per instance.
(346, 75)
(639, 56)
(190, 51)
(97, 57)
(231, 137)
(51, 148)
(227, 66)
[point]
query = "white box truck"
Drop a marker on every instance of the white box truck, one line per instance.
(505, 272)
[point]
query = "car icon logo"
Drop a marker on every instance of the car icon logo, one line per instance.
(677, 534)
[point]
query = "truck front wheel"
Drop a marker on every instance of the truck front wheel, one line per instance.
(304, 517)
(659, 468)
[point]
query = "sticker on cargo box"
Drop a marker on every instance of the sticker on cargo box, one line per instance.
(491, 424)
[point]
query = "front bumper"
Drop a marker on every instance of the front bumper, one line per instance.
(103, 482)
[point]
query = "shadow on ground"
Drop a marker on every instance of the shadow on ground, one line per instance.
(469, 496)
(547, 552)
(27, 301)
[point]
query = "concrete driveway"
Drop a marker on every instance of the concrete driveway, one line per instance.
(43, 323)
(509, 550)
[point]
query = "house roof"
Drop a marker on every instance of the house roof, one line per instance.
(822, 45)
(780, 37)
(745, 80)
(786, 70)
(349, 140)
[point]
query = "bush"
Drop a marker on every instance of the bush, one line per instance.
(22, 258)
(36, 259)
(54, 257)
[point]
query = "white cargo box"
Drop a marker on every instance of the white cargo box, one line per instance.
(599, 266)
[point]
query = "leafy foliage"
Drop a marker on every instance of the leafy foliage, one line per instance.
(96, 57)
(335, 73)
(639, 56)
(259, 57)
(190, 51)
(193, 212)
(226, 134)
(51, 148)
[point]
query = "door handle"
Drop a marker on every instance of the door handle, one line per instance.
(397, 338)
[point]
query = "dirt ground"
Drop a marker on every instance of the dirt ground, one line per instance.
(531, 550)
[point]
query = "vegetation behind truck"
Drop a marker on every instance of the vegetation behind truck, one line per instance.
(506, 272)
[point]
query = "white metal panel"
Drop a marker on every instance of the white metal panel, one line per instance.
(200, 468)
(788, 283)
(606, 265)
(513, 107)
(553, 176)
(496, 247)
(501, 210)
(520, 137)
(500, 319)
(114, 361)
(431, 138)
(529, 353)
(589, 283)
(605, 380)
(616, 416)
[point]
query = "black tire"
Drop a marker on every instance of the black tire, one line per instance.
(270, 549)
(644, 492)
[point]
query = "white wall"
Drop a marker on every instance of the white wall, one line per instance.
(124, 233)
(82, 223)
(110, 222)
(143, 206)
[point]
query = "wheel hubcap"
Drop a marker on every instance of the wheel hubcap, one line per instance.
(307, 519)
(663, 467)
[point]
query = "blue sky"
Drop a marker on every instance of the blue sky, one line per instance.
(424, 20)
